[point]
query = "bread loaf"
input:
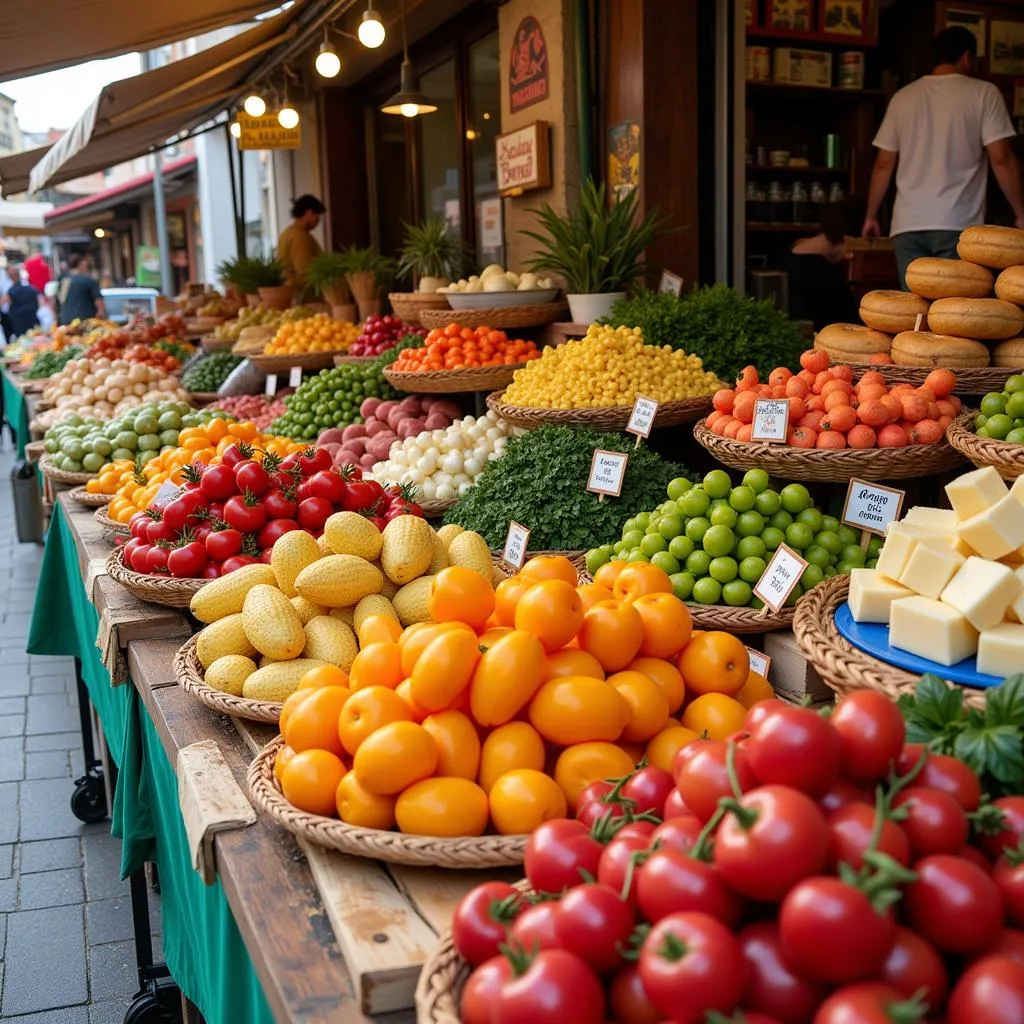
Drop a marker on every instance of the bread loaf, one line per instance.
(924, 348)
(1010, 285)
(980, 319)
(892, 312)
(941, 279)
(1009, 354)
(851, 343)
(992, 246)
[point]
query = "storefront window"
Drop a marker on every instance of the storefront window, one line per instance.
(439, 146)
(482, 128)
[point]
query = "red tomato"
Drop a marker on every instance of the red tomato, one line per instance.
(1008, 874)
(675, 806)
(359, 496)
(596, 791)
(595, 923)
(278, 505)
(628, 999)
(648, 788)
(313, 513)
(1008, 942)
(871, 733)
(274, 530)
(841, 793)
(867, 1003)
(975, 856)
(557, 988)
(218, 482)
(679, 834)
(140, 557)
(943, 772)
(1012, 831)
(251, 477)
(556, 854)
(483, 989)
(795, 747)
(187, 562)
(156, 559)
(912, 966)
(156, 531)
(211, 571)
(616, 865)
(671, 883)
(773, 988)
(481, 920)
(535, 928)
(314, 460)
(851, 831)
(329, 485)
(244, 516)
(783, 840)
(138, 525)
(990, 991)
(236, 562)
(934, 822)
(221, 544)
(702, 778)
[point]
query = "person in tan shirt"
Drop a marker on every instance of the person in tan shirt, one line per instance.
(296, 247)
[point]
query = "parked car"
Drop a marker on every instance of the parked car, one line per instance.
(124, 303)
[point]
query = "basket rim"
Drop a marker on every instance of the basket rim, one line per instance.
(460, 852)
(167, 591)
(188, 673)
(985, 451)
(607, 417)
(83, 497)
(59, 475)
(471, 378)
(101, 517)
(305, 360)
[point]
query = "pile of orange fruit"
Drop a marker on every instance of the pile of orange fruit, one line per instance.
(498, 713)
(319, 333)
(455, 347)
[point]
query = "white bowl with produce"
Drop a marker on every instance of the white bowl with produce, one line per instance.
(500, 300)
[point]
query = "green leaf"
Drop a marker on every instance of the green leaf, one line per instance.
(994, 750)
(1004, 704)
(934, 712)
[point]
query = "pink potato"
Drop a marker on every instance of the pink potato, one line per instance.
(332, 448)
(436, 421)
(379, 447)
(377, 428)
(368, 461)
(384, 409)
(369, 407)
(333, 435)
(357, 444)
(344, 459)
(410, 428)
(354, 430)
(411, 404)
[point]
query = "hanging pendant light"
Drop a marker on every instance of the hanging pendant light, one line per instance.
(408, 101)
(327, 61)
(236, 130)
(288, 116)
(255, 105)
(371, 29)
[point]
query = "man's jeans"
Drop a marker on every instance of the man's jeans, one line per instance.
(911, 244)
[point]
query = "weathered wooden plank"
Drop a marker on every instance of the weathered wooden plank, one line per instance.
(434, 892)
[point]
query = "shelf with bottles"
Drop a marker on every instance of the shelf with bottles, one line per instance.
(798, 36)
(805, 172)
(758, 90)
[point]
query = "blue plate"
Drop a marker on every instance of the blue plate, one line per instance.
(873, 638)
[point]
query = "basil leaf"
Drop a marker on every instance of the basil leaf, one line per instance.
(933, 709)
(1004, 704)
(994, 750)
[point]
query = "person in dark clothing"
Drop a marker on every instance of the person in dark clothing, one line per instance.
(80, 296)
(816, 269)
(21, 304)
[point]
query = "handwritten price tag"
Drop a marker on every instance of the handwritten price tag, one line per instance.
(516, 541)
(641, 419)
(871, 507)
(670, 283)
(759, 662)
(607, 473)
(779, 579)
(270, 385)
(295, 376)
(771, 420)
(168, 492)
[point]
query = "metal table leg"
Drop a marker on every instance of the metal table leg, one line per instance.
(89, 800)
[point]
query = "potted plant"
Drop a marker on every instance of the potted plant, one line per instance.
(366, 272)
(326, 273)
(595, 248)
(267, 274)
(432, 257)
(229, 274)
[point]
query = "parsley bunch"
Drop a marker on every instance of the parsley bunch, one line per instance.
(541, 482)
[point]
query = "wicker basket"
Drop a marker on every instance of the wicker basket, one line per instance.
(1007, 458)
(59, 476)
(83, 497)
(164, 590)
(305, 360)
(838, 662)
(395, 847)
(211, 344)
(35, 450)
(836, 465)
(409, 305)
(353, 360)
(101, 517)
(613, 417)
(503, 316)
(189, 674)
(970, 380)
(202, 397)
(434, 508)
(471, 378)
(35, 386)
(576, 557)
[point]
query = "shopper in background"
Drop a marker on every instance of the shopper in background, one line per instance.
(37, 270)
(296, 247)
(21, 304)
(80, 296)
(940, 135)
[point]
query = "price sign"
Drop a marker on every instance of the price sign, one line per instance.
(516, 541)
(759, 662)
(670, 283)
(771, 420)
(871, 507)
(270, 385)
(167, 493)
(641, 419)
(295, 376)
(607, 473)
(779, 579)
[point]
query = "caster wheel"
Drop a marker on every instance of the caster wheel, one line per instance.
(161, 1004)
(89, 800)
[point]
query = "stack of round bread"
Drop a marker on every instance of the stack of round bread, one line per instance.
(852, 343)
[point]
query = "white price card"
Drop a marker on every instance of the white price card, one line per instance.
(641, 419)
(516, 541)
(295, 376)
(607, 472)
(771, 420)
(759, 662)
(781, 576)
(168, 492)
(270, 385)
(871, 507)
(671, 283)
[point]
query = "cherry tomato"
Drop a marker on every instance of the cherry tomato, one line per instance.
(557, 988)
(934, 822)
(1012, 831)
(211, 571)
(590, 812)
(702, 778)
(1008, 942)
(481, 920)
(328, 485)
(795, 747)
(616, 865)
(556, 854)
(871, 734)
(279, 505)
(596, 791)
(628, 998)
(773, 988)
(975, 856)
(187, 562)
(156, 559)
(534, 928)
(243, 516)
(140, 557)
(841, 793)
(273, 530)
(851, 831)
(595, 923)
(690, 964)
(218, 482)
(990, 991)
(679, 834)
(914, 966)
(675, 806)
(867, 1003)
(483, 989)
(943, 772)
(953, 904)
(221, 544)
(236, 562)
(669, 883)
(648, 788)
(1008, 874)
(313, 513)
(786, 842)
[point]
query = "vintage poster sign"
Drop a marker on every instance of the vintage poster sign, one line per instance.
(524, 159)
(623, 159)
(265, 133)
(528, 66)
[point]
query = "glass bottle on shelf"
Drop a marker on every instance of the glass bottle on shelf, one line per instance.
(800, 209)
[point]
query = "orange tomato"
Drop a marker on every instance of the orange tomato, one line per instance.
(608, 573)
(524, 798)
(442, 807)
(549, 567)
(292, 701)
(511, 746)
(492, 635)
(313, 722)
(404, 690)
(715, 714)
(755, 689)
(578, 709)
(323, 675)
(506, 598)
(612, 632)
(379, 629)
(552, 612)
(283, 756)
(377, 664)
(648, 705)
(458, 594)
(416, 638)
(458, 744)
(662, 748)
(357, 807)
(666, 675)
(506, 678)
(394, 757)
(444, 669)
(714, 662)
(580, 765)
(572, 662)
(310, 780)
(591, 593)
(667, 624)
(366, 711)
(639, 578)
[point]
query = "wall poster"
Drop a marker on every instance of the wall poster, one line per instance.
(623, 159)
(528, 66)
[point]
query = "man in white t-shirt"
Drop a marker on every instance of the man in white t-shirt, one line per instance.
(940, 135)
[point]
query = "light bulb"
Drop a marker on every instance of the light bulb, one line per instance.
(236, 130)
(100, 233)
(288, 117)
(327, 63)
(371, 30)
(255, 105)
(410, 109)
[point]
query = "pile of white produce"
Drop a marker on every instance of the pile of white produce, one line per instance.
(495, 278)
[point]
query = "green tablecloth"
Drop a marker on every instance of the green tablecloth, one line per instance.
(16, 414)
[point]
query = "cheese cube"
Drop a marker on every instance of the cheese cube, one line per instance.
(1017, 490)
(1001, 650)
(931, 518)
(930, 567)
(931, 629)
(900, 541)
(997, 531)
(982, 591)
(974, 492)
(871, 594)
(1017, 607)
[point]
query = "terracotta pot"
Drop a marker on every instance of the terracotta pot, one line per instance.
(346, 312)
(370, 308)
(277, 298)
(252, 301)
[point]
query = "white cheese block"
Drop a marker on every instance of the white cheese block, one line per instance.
(974, 492)
(871, 594)
(900, 541)
(1017, 490)
(1001, 650)
(997, 531)
(931, 629)
(931, 518)
(982, 591)
(1017, 607)
(930, 567)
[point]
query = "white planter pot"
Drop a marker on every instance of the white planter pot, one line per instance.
(585, 309)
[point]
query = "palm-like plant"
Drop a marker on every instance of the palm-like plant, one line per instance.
(326, 274)
(431, 250)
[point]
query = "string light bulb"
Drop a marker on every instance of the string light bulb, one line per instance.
(288, 116)
(371, 29)
(327, 62)
(255, 105)
(236, 130)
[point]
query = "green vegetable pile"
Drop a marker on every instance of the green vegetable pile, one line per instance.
(209, 373)
(727, 330)
(46, 364)
(541, 482)
(990, 741)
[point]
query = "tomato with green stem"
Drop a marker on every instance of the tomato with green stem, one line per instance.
(869, 1003)
(553, 987)
(794, 747)
(534, 928)
(871, 734)
(481, 920)
(913, 966)
(773, 987)
(595, 923)
(702, 776)
(932, 820)
(669, 882)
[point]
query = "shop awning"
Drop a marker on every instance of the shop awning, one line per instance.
(131, 117)
(15, 170)
(48, 34)
(20, 219)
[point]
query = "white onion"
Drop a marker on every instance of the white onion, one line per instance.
(442, 478)
(452, 462)
(464, 489)
(426, 464)
(429, 488)
(472, 466)
(445, 492)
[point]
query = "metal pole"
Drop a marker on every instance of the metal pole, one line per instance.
(239, 239)
(243, 219)
(160, 212)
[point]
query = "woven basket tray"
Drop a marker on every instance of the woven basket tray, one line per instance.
(83, 497)
(819, 464)
(353, 360)
(409, 305)
(101, 517)
(212, 344)
(1008, 459)
(58, 476)
(503, 316)
(614, 417)
(189, 674)
(434, 508)
(306, 360)
(839, 663)
(970, 380)
(202, 397)
(35, 450)
(472, 378)
(165, 590)
(394, 847)
(576, 557)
